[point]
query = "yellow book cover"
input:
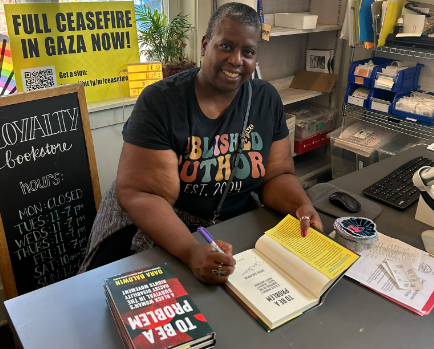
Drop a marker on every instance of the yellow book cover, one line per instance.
(393, 12)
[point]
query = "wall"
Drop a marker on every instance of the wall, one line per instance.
(199, 11)
(3, 28)
(106, 124)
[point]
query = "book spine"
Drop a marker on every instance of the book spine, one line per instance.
(250, 311)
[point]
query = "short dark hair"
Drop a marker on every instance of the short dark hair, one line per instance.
(234, 11)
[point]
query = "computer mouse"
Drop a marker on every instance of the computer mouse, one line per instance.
(345, 201)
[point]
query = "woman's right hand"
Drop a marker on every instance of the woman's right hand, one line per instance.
(203, 259)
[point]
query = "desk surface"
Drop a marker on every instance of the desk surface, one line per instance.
(73, 313)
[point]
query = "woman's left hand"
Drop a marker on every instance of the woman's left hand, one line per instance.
(308, 216)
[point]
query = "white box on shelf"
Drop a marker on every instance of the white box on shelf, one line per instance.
(356, 101)
(297, 20)
(380, 106)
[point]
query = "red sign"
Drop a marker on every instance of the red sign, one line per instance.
(303, 145)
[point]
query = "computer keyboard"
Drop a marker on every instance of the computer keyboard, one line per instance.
(397, 189)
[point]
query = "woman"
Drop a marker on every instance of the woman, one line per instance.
(181, 139)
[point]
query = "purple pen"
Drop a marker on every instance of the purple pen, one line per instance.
(209, 239)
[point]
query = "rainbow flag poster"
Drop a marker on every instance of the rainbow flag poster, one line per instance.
(7, 78)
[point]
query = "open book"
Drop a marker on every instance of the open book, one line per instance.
(286, 274)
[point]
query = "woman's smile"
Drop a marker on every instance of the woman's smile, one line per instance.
(230, 74)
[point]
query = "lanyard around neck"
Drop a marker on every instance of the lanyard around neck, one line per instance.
(240, 147)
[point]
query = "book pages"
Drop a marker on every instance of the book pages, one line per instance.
(273, 295)
(316, 249)
(311, 279)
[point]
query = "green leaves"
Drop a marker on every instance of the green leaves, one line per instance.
(160, 39)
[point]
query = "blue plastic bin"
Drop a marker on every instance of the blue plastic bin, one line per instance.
(368, 82)
(403, 115)
(357, 101)
(384, 95)
(406, 79)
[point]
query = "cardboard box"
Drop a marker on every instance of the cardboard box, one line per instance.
(297, 20)
(314, 81)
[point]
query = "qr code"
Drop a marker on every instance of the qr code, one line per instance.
(38, 78)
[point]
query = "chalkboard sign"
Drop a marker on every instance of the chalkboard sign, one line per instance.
(49, 187)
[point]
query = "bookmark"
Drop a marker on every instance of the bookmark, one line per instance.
(398, 282)
(404, 275)
(387, 270)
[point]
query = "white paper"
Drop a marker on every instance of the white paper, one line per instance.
(349, 138)
(404, 275)
(409, 35)
(376, 278)
(413, 23)
(387, 269)
(395, 250)
(368, 271)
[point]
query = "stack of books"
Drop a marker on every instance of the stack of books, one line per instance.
(151, 309)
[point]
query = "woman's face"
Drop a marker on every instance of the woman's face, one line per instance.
(230, 57)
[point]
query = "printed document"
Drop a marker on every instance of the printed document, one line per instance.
(368, 270)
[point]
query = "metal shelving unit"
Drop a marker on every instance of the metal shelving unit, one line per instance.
(388, 121)
(405, 51)
(279, 31)
(291, 95)
(285, 54)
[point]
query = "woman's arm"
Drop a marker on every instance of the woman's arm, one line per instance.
(281, 189)
(147, 186)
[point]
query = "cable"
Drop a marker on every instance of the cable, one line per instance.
(123, 104)
(122, 95)
(410, 6)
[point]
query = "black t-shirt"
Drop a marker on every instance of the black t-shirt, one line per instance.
(167, 116)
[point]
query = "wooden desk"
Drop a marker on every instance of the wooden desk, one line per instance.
(73, 313)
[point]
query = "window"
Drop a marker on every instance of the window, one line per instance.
(160, 5)
(3, 28)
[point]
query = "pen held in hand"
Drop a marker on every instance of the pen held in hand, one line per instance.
(209, 239)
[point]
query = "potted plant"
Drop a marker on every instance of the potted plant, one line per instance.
(163, 40)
